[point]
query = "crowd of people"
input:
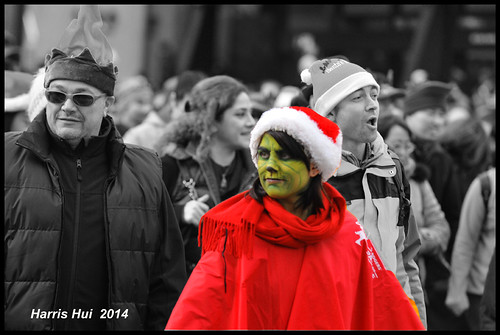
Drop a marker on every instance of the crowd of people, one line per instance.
(212, 203)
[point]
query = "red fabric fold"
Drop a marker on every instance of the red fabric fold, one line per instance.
(339, 283)
(318, 274)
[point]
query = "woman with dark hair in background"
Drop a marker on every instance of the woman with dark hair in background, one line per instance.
(205, 154)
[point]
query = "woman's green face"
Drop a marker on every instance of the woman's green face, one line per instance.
(281, 176)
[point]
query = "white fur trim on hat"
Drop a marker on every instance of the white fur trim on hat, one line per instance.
(325, 152)
(326, 102)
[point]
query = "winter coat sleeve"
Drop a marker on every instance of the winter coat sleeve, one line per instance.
(410, 251)
(435, 232)
(170, 172)
(411, 247)
(465, 247)
(169, 273)
(445, 184)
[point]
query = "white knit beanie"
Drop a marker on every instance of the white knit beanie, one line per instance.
(320, 137)
(333, 80)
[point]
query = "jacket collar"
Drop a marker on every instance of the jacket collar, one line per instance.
(376, 155)
(37, 139)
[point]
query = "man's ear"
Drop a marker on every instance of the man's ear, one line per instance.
(313, 171)
(109, 101)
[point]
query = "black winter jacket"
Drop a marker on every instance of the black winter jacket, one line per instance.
(206, 180)
(145, 255)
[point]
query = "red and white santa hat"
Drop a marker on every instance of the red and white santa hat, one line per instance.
(333, 80)
(320, 137)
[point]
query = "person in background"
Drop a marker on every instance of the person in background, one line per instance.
(286, 95)
(12, 55)
(134, 102)
(370, 179)
(425, 108)
(31, 102)
(89, 229)
(473, 249)
(18, 93)
(391, 100)
(179, 97)
(467, 143)
(286, 254)
(260, 104)
(432, 225)
(148, 132)
(205, 154)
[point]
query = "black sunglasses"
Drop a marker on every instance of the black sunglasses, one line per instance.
(80, 99)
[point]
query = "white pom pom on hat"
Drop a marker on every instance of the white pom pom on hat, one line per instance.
(320, 137)
(333, 80)
(305, 76)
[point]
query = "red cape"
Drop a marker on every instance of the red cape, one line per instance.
(338, 283)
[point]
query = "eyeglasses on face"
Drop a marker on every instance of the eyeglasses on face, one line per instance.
(398, 147)
(80, 99)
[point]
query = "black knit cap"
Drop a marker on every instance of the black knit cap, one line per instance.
(83, 54)
(429, 94)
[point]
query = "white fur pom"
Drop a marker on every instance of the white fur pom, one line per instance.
(305, 76)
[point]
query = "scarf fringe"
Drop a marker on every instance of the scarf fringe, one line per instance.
(238, 238)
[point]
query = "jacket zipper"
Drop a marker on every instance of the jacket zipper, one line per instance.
(75, 234)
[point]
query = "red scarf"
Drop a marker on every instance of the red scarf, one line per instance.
(239, 218)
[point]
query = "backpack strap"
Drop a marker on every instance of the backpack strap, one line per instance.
(404, 194)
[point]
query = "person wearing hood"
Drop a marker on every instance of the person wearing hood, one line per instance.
(205, 154)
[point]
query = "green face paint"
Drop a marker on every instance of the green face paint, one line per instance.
(281, 176)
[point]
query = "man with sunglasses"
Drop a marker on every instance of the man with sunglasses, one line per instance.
(91, 241)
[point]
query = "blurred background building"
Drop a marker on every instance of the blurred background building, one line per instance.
(260, 42)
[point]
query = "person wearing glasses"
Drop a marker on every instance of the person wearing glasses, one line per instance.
(433, 228)
(91, 241)
(370, 179)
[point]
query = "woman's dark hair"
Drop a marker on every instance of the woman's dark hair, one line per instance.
(312, 196)
(223, 89)
(386, 122)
